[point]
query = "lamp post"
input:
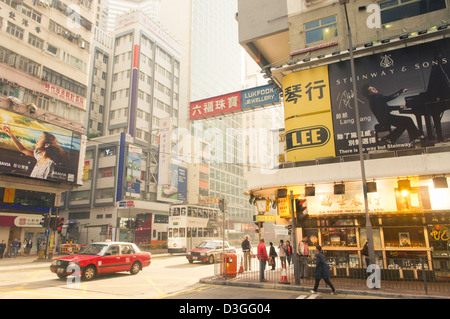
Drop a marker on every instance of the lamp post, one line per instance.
(369, 232)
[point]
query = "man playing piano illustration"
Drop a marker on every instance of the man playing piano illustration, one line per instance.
(379, 106)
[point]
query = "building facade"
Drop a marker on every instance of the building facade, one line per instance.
(397, 46)
(44, 65)
(141, 88)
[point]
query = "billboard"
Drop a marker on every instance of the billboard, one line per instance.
(402, 97)
(234, 102)
(307, 113)
(176, 191)
(36, 149)
(134, 169)
(399, 91)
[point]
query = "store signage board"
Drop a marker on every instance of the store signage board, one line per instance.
(264, 218)
(234, 102)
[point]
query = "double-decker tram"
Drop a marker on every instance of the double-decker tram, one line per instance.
(191, 224)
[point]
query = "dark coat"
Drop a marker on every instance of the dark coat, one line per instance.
(380, 108)
(322, 268)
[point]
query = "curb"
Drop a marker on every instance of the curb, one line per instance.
(247, 284)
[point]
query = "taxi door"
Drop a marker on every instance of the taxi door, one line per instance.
(128, 256)
(112, 260)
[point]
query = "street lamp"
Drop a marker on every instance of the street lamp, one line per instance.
(369, 232)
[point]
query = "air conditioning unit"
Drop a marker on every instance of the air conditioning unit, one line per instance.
(83, 45)
(54, 100)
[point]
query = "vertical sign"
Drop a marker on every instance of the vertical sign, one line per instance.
(165, 133)
(307, 112)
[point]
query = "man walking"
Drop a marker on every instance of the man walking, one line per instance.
(263, 258)
(15, 246)
(247, 250)
(303, 252)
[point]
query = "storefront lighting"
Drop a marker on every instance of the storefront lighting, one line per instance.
(310, 191)
(405, 193)
(404, 185)
(339, 189)
(440, 182)
(371, 187)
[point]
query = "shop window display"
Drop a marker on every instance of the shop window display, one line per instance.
(376, 237)
(404, 237)
(338, 237)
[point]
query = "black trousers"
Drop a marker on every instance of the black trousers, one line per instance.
(401, 124)
(327, 281)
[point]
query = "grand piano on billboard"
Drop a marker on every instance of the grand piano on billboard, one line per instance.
(417, 80)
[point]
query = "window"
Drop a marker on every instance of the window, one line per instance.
(35, 41)
(320, 30)
(14, 30)
(394, 10)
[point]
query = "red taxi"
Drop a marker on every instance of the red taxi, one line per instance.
(100, 258)
(209, 251)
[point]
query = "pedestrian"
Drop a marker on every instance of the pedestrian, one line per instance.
(15, 246)
(38, 246)
(272, 255)
(263, 258)
(28, 246)
(282, 249)
(303, 252)
(247, 250)
(2, 249)
(365, 253)
(289, 252)
(322, 271)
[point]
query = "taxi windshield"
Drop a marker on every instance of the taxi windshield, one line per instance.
(207, 244)
(93, 249)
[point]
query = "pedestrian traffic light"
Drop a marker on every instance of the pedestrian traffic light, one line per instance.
(301, 215)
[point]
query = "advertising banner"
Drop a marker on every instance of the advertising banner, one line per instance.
(402, 95)
(307, 113)
(36, 149)
(176, 191)
(134, 169)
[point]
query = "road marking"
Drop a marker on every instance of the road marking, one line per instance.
(313, 296)
(160, 292)
(302, 297)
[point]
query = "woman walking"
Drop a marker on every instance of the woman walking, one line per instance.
(322, 271)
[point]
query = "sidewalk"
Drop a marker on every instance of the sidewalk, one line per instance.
(401, 291)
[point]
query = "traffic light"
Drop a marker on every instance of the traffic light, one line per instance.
(260, 225)
(301, 215)
(128, 224)
(222, 204)
(44, 220)
(139, 223)
(52, 224)
(60, 225)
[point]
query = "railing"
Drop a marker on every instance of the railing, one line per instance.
(418, 280)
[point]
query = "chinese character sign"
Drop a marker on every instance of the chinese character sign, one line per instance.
(306, 92)
(216, 105)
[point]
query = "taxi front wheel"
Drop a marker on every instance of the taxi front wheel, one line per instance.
(89, 273)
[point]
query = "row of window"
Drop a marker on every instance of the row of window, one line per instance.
(392, 10)
(19, 62)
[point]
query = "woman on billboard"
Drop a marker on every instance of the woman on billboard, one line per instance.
(47, 153)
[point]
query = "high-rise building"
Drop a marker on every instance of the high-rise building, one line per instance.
(211, 66)
(141, 94)
(115, 8)
(44, 67)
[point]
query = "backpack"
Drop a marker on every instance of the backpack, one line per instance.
(245, 245)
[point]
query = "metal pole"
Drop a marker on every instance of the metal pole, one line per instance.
(294, 239)
(369, 232)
